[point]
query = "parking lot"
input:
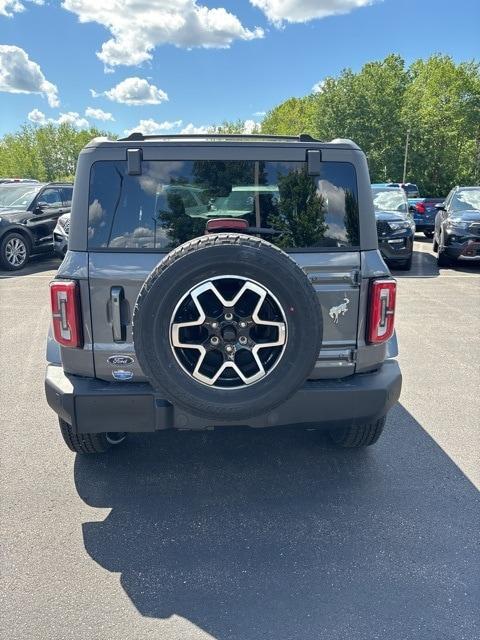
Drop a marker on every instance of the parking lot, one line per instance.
(233, 534)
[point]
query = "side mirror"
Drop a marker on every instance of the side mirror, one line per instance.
(40, 206)
(440, 206)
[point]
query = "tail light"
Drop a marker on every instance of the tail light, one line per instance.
(381, 318)
(226, 224)
(67, 324)
(420, 207)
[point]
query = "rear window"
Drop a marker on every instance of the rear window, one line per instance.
(172, 201)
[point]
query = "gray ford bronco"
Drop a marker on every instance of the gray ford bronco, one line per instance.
(221, 281)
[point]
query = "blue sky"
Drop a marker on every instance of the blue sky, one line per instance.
(213, 60)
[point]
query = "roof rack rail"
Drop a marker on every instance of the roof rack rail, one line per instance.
(137, 136)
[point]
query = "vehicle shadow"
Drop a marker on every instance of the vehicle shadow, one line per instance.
(36, 264)
(275, 534)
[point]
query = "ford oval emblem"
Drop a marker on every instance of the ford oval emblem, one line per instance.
(121, 375)
(120, 361)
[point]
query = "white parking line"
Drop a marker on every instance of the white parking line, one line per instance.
(28, 275)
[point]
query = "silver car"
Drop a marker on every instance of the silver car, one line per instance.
(60, 235)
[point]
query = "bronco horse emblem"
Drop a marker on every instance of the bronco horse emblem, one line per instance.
(340, 310)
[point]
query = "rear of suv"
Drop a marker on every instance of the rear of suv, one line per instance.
(221, 281)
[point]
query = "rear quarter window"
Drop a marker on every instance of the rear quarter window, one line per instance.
(172, 201)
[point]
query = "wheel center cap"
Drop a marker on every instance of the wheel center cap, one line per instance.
(229, 333)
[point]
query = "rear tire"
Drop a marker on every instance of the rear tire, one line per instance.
(443, 260)
(356, 437)
(89, 442)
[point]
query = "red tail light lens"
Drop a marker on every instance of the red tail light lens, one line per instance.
(67, 324)
(420, 207)
(381, 320)
(227, 224)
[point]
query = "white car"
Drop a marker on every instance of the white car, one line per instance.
(60, 235)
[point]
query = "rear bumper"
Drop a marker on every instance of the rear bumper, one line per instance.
(94, 406)
(424, 224)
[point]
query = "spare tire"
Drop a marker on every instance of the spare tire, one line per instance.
(227, 326)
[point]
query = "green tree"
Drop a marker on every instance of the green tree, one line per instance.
(441, 108)
(235, 126)
(437, 99)
(47, 152)
(291, 118)
(367, 107)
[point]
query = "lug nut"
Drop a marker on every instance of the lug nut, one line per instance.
(242, 340)
(214, 340)
(229, 316)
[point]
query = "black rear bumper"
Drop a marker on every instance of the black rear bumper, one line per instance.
(95, 406)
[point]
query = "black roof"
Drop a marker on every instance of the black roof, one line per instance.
(137, 136)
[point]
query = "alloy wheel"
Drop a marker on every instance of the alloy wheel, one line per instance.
(15, 252)
(228, 332)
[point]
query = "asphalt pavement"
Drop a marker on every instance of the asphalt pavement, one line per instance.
(246, 535)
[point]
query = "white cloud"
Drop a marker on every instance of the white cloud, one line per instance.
(9, 7)
(150, 127)
(318, 87)
(192, 129)
(280, 11)
(73, 118)
(134, 91)
(138, 26)
(19, 74)
(70, 117)
(250, 126)
(260, 114)
(99, 114)
(36, 116)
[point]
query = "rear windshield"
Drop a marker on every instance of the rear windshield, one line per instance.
(172, 201)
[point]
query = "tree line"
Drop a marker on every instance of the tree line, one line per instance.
(436, 102)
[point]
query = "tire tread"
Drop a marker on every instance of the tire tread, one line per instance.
(83, 442)
(359, 436)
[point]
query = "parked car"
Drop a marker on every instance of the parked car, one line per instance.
(28, 214)
(194, 329)
(16, 180)
(457, 227)
(395, 226)
(424, 212)
(60, 235)
(411, 189)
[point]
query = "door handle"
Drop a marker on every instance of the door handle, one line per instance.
(118, 329)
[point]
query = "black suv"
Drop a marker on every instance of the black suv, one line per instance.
(457, 227)
(221, 281)
(28, 214)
